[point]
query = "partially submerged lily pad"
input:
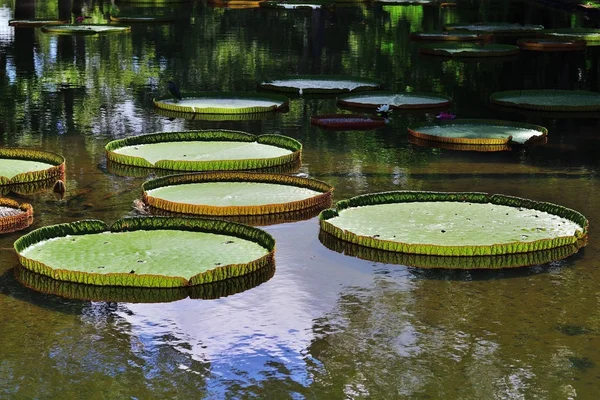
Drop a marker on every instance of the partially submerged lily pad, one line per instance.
(81, 291)
(321, 84)
(443, 262)
(224, 103)
(551, 44)
(394, 100)
(481, 132)
(14, 216)
(236, 193)
(159, 252)
(214, 150)
(25, 166)
(35, 22)
(347, 121)
(548, 100)
(446, 36)
(453, 224)
(128, 19)
(588, 35)
(469, 50)
(494, 27)
(295, 5)
(85, 29)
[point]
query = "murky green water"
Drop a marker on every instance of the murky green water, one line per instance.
(326, 325)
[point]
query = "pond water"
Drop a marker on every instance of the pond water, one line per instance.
(325, 325)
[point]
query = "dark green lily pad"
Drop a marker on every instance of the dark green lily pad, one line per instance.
(548, 100)
(494, 27)
(155, 252)
(469, 50)
(35, 22)
(446, 36)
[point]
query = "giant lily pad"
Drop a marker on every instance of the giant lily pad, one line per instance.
(321, 84)
(35, 22)
(394, 100)
(469, 50)
(548, 100)
(236, 193)
(443, 262)
(453, 224)
(85, 29)
(224, 103)
(24, 166)
(214, 117)
(128, 19)
(450, 36)
(295, 5)
(14, 216)
(81, 291)
(590, 36)
(204, 151)
(494, 27)
(154, 252)
(480, 132)
(551, 44)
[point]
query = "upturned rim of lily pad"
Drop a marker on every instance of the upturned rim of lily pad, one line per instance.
(395, 197)
(278, 103)
(363, 84)
(81, 291)
(216, 117)
(458, 49)
(57, 171)
(85, 29)
(321, 200)
(132, 279)
(507, 98)
(19, 220)
(503, 261)
(415, 131)
(280, 141)
(438, 101)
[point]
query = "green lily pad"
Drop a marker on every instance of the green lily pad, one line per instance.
(321, 84)
(590, 36)
(496, 27)
(205, 151)
(453, 224)
(224, 103)
(35, 22)
(394, 100)
(81, 291)
(450, 36)
(295, 5)
(235, 193)
(23, 166)
(469, 50)
(407, 2)
(480, 132)
(85, 29)
(548, 100)
(146, 251)
(132, 19)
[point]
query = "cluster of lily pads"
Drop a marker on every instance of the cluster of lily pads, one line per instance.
(199, 220)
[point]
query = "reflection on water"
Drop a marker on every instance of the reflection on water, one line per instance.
(326, 325)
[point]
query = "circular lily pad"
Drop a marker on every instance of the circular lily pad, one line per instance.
(450, 36)
(35, 22)
(14, 216)
(453, 224)
(469, 50)
(551, 44)
(81, 291)
(215, 117)
(85, 29)
(236, 193)
(321, 84)
(490, 27)
(548, 100)
(224, 103)
(204, 151)
(590, 36)
(480, 132)
(443, 262)
(157, 252)
(487, 148)
(24, 166)
(295, 5)
(132, 19)
(394, 100)
(347, 121)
